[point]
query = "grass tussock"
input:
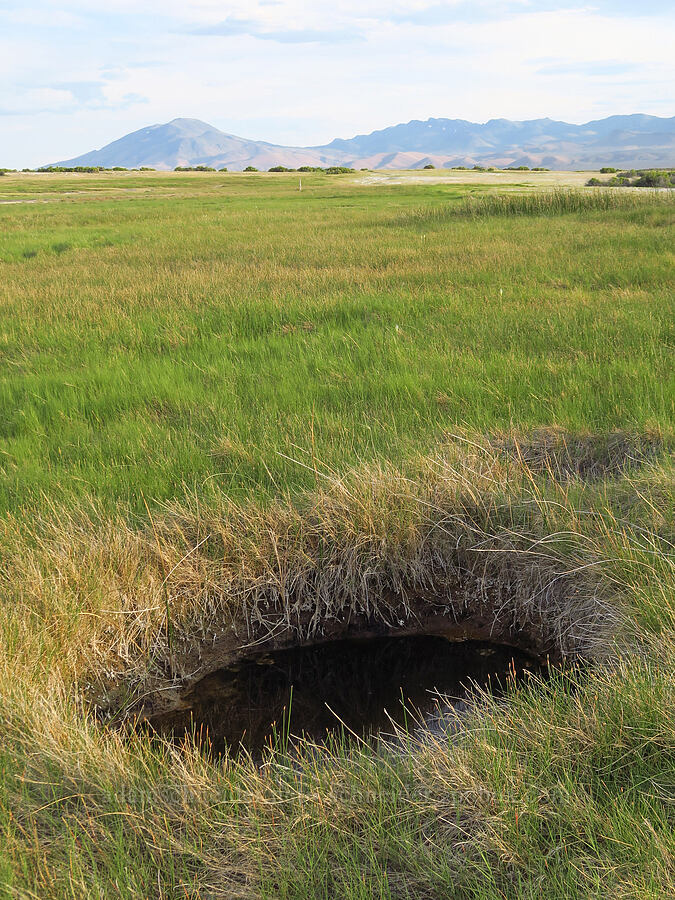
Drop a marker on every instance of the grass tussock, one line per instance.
(125, 617)
(556, 202)
(560, 201)
(465, 533)
(561, 454)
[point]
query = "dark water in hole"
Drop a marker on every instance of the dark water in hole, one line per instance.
(361, 683)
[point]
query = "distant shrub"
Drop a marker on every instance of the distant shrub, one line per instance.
(339, 170)
(311, 169)
(223, 169)
(280, 169)
(479, 168)
(540, 169)
(650, 178)
(194, 169)
(119, 169)
(460, 168)
(251, 169)
(655, 179)
(146, 169)
(608, 170)
(430, 166)
(87, 170)
(491, 169)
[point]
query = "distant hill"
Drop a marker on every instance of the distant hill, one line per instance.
(189, 142)
(634, 140)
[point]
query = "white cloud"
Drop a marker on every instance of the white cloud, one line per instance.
(41, 18)
(286, 72)
(37, 100)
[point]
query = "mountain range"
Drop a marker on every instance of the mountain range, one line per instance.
(624, 141)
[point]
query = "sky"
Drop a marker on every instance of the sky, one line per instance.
(75, 75)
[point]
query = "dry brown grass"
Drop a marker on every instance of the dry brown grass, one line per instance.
(470, 536)
(562, 454)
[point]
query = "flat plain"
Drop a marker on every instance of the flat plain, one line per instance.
(224, 400)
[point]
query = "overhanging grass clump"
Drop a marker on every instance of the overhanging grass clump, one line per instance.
(470, 542)
(561, 454)
(464, 542)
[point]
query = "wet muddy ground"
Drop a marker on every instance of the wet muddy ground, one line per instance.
(366, 687)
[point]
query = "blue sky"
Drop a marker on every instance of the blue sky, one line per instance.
(74, 75)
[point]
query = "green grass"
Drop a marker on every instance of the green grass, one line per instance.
(227, 402)
(542, 203)
(151, 342)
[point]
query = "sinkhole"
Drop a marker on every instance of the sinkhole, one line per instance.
(362, 688)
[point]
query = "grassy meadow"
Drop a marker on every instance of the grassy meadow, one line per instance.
(190, 338)
(229, 406)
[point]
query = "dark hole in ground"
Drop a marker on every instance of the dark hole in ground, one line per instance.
(364, 685)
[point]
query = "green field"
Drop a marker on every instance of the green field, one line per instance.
(220, 393)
